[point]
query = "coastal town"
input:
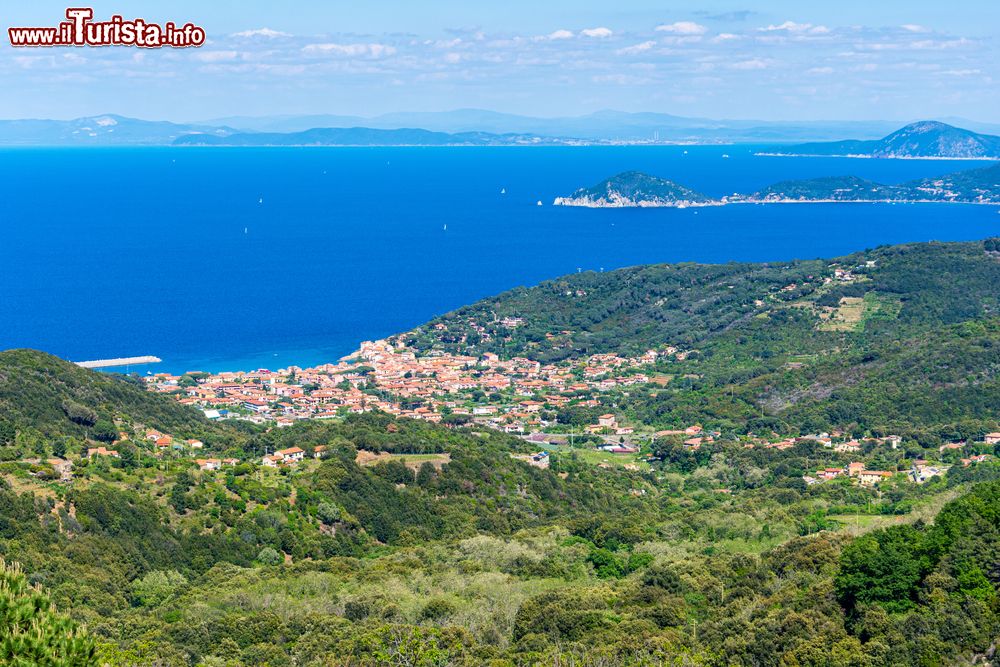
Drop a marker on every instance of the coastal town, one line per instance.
(518, 396)
(508, 395)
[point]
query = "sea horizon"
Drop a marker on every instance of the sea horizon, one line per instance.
(235, 259)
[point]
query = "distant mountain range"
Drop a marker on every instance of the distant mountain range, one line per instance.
(925, 139)
(610, 126)
(365, 136)
(478, 127)
(99, 131)
(634, 189)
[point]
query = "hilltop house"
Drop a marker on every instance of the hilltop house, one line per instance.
(992, 439)
(979, 458)
(291, 455)
(63, 468)
(101, 451)
(850, 447)
(209, 464)
(922, 472)
(872, 477)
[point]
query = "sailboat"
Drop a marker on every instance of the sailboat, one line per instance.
(503, 191)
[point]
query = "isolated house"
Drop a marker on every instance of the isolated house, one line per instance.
(872, 477)
(291, 455)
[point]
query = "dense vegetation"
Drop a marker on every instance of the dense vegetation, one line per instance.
(31, 632)
(770, 346)
(420, 544)
(970, 186)
(41, 396)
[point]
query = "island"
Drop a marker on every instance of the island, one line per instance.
(924, 140)
(634, 189)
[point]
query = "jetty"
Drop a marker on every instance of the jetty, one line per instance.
(122, 361)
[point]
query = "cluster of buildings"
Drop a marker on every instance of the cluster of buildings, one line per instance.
(855, 470)
(505, 394)
(920, 472)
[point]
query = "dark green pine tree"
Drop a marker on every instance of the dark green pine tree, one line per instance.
(32, 633)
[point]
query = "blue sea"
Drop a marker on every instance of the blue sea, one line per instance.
(243, 258)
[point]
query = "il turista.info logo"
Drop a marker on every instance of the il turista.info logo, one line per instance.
(80, 29)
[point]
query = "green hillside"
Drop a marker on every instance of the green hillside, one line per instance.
(637, 308)
(901, 337)
(51, 397)
(413, 543)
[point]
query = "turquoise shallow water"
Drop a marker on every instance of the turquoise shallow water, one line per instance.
(238, 258)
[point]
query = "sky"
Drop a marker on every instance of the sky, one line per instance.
(763, 59)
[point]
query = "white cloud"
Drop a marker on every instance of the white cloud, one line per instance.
(798, 28)
(620, 79)
(726, 37)
(820, 70)
(443, 43)
(637, 48)
(752, 64)
(351, 50)
(683, 28)
(28, 62)
(261, 32)
(599, 33)
(938, 45)
(216, 56)
(560, 34)
(913, 27)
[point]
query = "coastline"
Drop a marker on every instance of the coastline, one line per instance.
(863, 156)
(569, 202)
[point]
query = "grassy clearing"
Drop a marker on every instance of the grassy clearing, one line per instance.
(366, 458)
(926, 510)
(853, 313)
(597, 457)
(847, 317)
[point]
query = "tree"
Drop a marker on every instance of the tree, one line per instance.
(426, 474)
(32, 632)
(7, 433)
(178, 494)
(104, 431)
(884, 568)
(328, 513)
(156, 587)
(128, 455)
(269, 556)
(79, 414)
